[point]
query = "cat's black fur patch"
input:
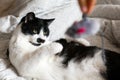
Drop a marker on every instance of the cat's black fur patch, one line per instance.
(77, 52)
(7, 53)
(113, 65)
(32, 25)
(74, 50)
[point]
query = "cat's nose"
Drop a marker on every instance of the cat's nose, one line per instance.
(39, 40)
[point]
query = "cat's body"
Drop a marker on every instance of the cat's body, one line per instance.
(60, 60)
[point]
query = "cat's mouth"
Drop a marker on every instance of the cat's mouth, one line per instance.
(35, 44)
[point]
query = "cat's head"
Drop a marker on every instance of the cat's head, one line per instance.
(36, 30)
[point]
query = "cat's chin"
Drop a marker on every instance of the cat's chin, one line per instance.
(35, 44)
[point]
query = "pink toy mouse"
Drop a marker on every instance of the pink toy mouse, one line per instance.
(83, 28)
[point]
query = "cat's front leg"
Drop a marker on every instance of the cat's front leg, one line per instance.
(51, 48)
(55, 47)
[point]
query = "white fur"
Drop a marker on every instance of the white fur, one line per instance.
(41, 62)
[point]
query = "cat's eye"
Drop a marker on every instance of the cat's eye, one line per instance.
(34, 31)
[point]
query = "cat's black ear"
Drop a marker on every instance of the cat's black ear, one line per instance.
(48, 21)
(29, 17)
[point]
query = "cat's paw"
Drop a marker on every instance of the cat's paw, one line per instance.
(55, 47)
(80, 40)
(83, 41)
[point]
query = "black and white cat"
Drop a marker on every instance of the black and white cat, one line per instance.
(33, 55)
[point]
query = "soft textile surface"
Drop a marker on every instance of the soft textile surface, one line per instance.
(65, 13)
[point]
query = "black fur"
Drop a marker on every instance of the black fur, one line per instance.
(32, 25)
(113, 65)
(7, 53)
(77, 52)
